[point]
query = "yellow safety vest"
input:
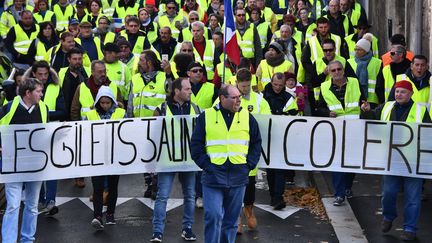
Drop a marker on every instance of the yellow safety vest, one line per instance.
(421, 96)
(373, 69)
(22, 41)
(223, 144)
(97, 42)
(187, 34)
(139, 44)
(228, 74)
(351, 46)
(267, 71)
(146, 98)
(345, 24)
(40, 50)
(163, 21)
(281, 4)
(122, 12)
(320, 66)
(118, 114)
(316, 49)
(119, 73)
(62, 18)
(62, 73)
(203, 99)
(51, 94)
(47, 18)
(86, 97)
(388, 81)
(262, 29)
(415, 114)
(352, 97)
(153, 35)
(168, 111)
(208, 58)
(246, 42)
(109, 38)
(107, 9)
(8, 117)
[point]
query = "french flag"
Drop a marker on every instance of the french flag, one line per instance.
(230, 38)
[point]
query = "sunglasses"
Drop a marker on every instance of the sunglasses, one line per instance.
(394, 53)
(241, 15)
(328, 50)
(197, 70)
(186, 50)
(336, 69)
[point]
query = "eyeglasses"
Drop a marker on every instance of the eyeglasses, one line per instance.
(394, 53)
(336, 69)
(186, 50)
(241, 15)
(328, 50)
(198, 70)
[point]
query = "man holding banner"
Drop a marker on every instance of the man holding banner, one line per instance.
(226, 144)
(402, 109)
(340, 97)
(26, 108)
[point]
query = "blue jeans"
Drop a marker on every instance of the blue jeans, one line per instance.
(48, 193)
(412, 199)
(30, 212)
(222, 208)
(342, 181)
(165, 181)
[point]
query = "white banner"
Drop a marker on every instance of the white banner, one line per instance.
(89, 148)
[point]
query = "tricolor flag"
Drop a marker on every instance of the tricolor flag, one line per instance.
(230, 39)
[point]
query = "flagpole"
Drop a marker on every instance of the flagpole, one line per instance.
(224, 49)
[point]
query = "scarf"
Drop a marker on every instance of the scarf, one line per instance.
(149, 76)
(275, 61)
(362, 72)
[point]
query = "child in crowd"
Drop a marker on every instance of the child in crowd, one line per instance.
(105, 107)
(296, 90)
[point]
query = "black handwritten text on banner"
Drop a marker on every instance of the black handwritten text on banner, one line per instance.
(78, 149)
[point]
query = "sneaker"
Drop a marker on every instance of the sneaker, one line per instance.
(97, 223)
(41, 207)
(157, 237)
(199, 202)
(110, 219)
(348, 193)
(408, 236)
(188, 235)
(339, 201)
(386, 226)
(51, 208)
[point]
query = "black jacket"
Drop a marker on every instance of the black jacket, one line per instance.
(277, 102)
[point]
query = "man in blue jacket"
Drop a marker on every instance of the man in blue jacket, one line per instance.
(226, 144)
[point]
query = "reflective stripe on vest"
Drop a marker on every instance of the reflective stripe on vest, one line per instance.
(163, 21)
(320, 66)
(316, 49)
(108, 9)
(267, 71)
(139, 44)
(62, 19)
(352, 97)
(122, 12)
(223, 144)
(22, 40)
(116, 73)
(415, 114)
(246, 42)
(388, 81)
(146, 98)
(15, 102)
(373, 69)
(86, 97)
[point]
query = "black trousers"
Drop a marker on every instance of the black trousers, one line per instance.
(98, 189)
(249, 197)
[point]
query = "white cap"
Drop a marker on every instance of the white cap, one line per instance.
(105, 91)
(364, 44)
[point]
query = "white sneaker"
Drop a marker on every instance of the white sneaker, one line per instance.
(199, 202)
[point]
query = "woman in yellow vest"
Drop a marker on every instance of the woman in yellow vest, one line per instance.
(46, 39)
(147, 25)
(105, 107)
(95, 12)
(44, 14)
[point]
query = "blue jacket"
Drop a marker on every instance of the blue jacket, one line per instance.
(228, 174)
